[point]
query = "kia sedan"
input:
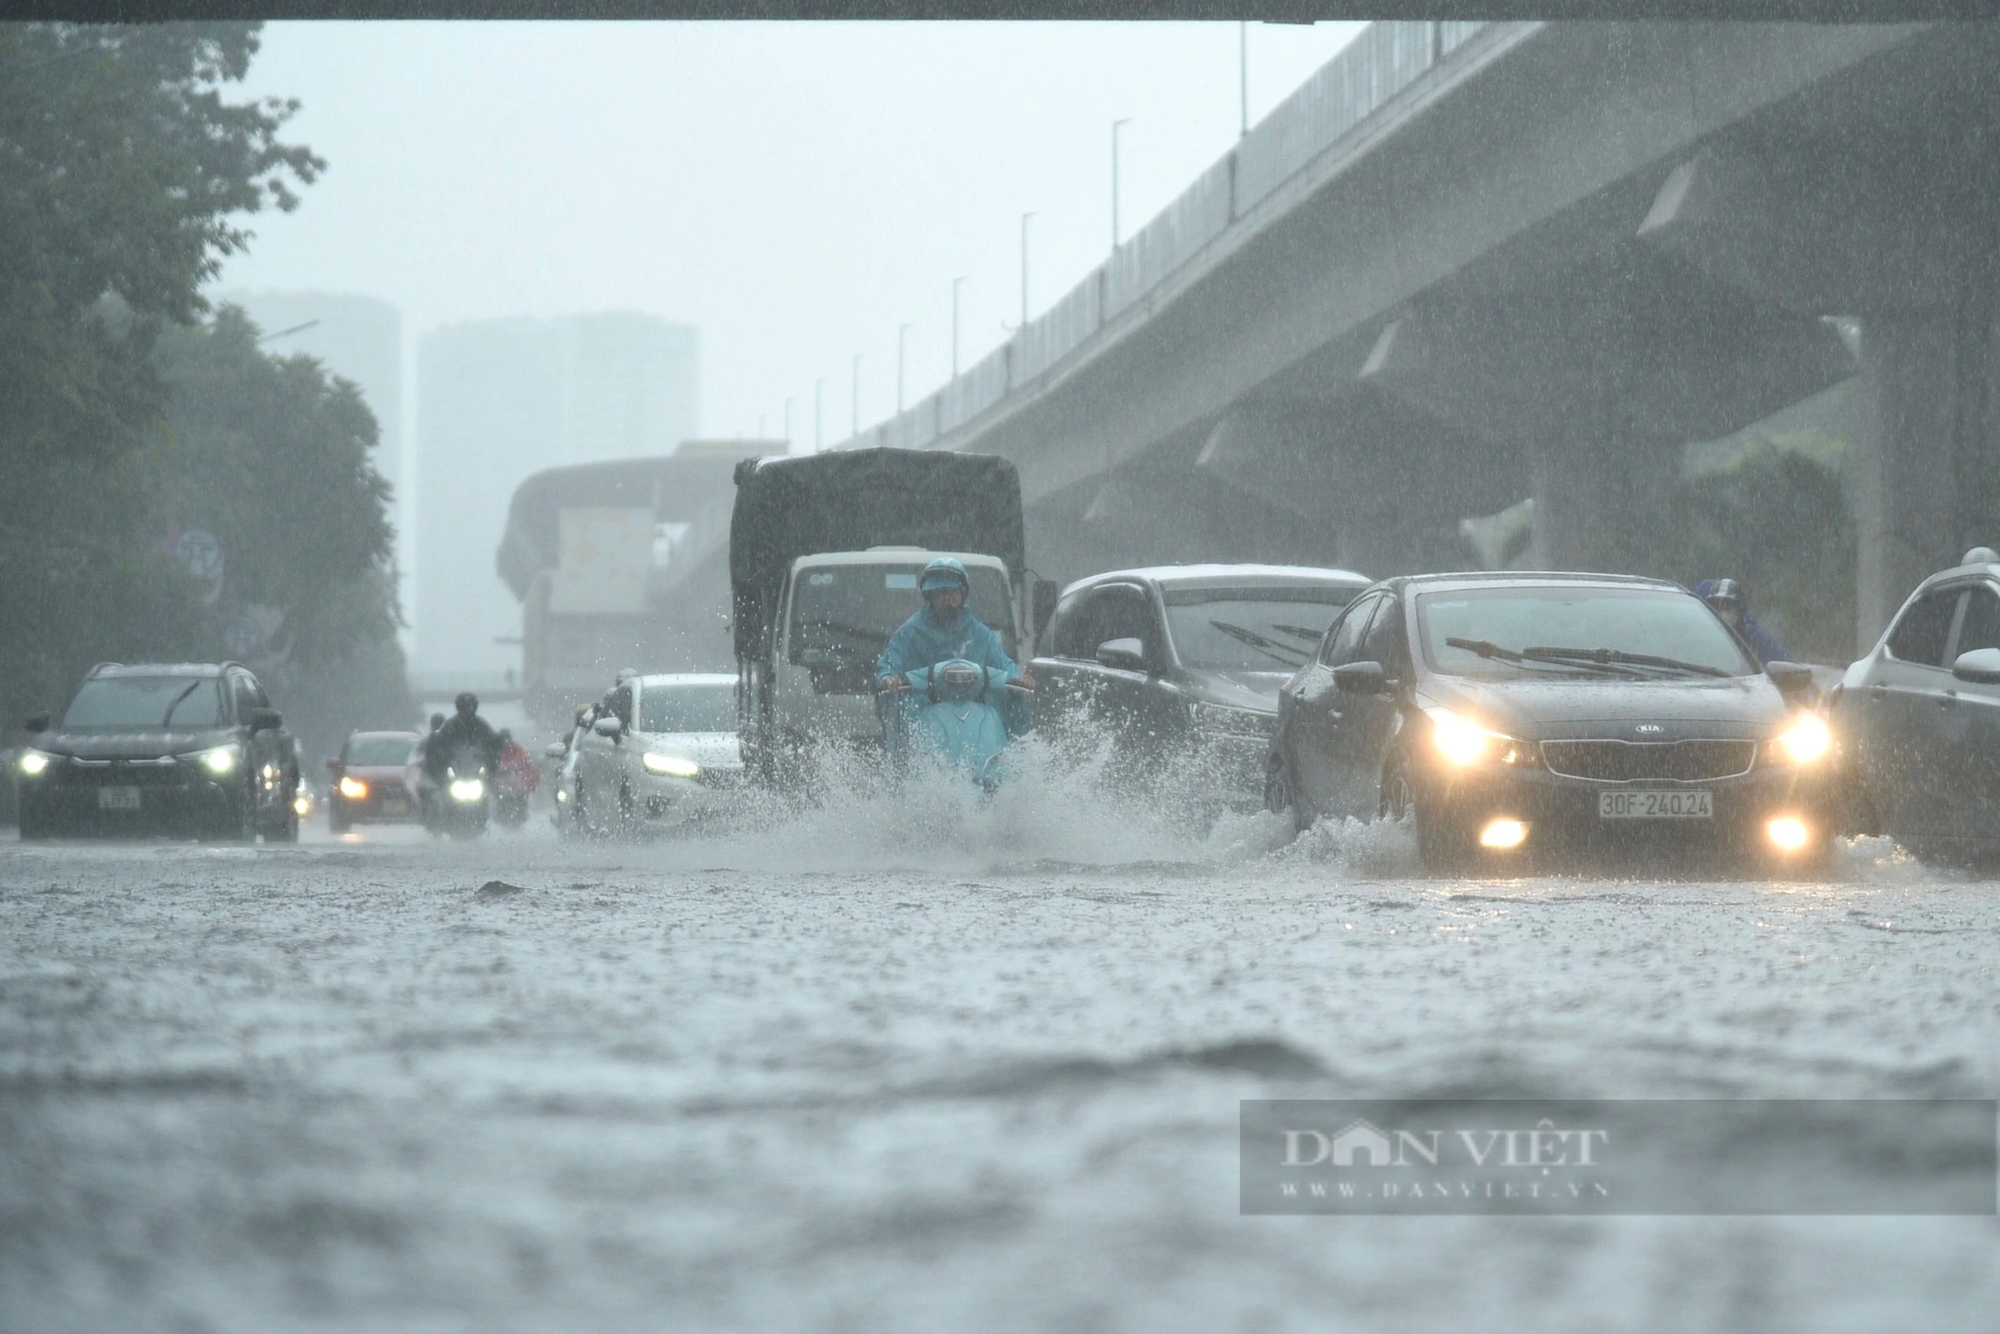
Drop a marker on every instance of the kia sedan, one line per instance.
(1523, 717)
(1918, 721)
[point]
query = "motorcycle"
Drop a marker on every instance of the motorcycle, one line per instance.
(955, 711)
(460, 803)
(516, 781)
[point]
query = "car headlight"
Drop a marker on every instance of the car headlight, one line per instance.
(353, 788)
(467, 789)
(303, 802)
(673, 766)
(1805, 741)
(220, 759)
(1462, 742)
(1225, 721)
(33, 762)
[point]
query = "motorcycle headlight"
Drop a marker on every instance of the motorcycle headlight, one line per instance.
(673, 766)
(1222, 720)
(1805, 741)
(34, 762)
(467, 789)
(220, 759)
(1461, 742)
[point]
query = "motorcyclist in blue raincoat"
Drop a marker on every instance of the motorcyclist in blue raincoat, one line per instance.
(941, 630)
(1733, 606)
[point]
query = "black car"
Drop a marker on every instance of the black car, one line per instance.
(1522, 714)
(1182, 663)
(191, 748)
(1917, 721)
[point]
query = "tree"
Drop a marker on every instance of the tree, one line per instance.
(122, 169)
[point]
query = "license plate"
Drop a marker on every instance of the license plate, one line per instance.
(1655, 805)
(118, 799)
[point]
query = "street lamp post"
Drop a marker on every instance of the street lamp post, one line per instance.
(956, 284)
(1243, 74)
(788, 423)
(819, 414)
(1116, 126)
(902, 348)
(1024, 268)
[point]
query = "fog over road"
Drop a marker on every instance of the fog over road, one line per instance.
(900, 1066)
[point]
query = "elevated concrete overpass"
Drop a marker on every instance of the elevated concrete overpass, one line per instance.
(1468, 264)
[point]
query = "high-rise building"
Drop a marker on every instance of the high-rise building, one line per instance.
(357, 338)
(500, 399)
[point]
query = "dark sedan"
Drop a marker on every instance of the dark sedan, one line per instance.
(1179, 665)
(190, 748)
(368, 780)
(1522, 714)
(1918, 721)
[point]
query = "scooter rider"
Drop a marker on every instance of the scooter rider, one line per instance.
(1727, 597)
(464, 730)
(940, 631)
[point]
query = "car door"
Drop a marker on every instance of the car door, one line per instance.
(260, 747)
(597, 768)
(1361, 733)
(1970, 727)
(1131, 703)
(1318, 706)
(1902, 713)
(1082, 693)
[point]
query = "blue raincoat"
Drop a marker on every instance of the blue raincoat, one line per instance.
(1762, 642)
(924, 641)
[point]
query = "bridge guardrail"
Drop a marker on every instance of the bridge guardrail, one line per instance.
(1367, 74)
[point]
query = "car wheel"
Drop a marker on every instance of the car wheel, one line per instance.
(628, 809)
(33, 826)
(1441, 844)
(1281, 794)
(337, 820)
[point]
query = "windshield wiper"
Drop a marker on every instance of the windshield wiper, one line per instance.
(1612, 655)
(1270, 648)
(1486, 648)
(1303, 632)
(168, 721)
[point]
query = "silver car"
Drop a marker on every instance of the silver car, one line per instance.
(662, 753)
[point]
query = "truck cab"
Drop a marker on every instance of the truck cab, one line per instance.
(836, 615)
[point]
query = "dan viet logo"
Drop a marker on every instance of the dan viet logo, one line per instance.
(1362, 1144)
(1543, 1161)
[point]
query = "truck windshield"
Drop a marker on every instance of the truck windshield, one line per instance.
(110, 703)
(688, 708)
(846, 613)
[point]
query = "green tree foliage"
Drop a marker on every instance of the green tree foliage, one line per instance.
(122, 169)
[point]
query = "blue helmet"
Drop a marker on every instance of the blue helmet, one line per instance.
(945, 572)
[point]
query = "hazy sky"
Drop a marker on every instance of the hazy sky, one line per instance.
(797, 191)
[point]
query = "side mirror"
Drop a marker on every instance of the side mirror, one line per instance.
(1042, 603)
(555, 750)
(1126, 655)
(1361, 678)
(38, 722)
(609, 725)
(266, 720)
(1789, 677)
(1981, 666)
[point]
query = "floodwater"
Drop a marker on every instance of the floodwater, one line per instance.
(920, 1065)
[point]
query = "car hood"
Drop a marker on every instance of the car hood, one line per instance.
(711, 750)
(1746, 706)
(1235, 690)
(137, 744)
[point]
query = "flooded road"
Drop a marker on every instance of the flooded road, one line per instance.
(893, 1069)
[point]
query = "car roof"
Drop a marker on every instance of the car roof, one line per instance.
(667, 680)
(1958, 572)
(887, 555)
(1231, 576)
(1529, 579)
(104, 669)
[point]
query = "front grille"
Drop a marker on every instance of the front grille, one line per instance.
(1612, 761)
(123, 773)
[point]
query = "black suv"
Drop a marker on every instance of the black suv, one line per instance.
(192, 748)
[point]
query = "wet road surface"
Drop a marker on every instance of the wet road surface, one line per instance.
(894, 1069)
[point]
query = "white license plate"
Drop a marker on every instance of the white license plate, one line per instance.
(1680, 805)
(118, 799)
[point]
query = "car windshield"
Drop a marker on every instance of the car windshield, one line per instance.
(109, 703)
(848, 612)
(1250, 629)
(385, 751)
(1582, 628)
(688, 708)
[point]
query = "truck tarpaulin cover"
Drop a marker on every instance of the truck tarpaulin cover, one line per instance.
(855, 499)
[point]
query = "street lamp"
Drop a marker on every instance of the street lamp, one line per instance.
(902, 347)
(1024, 268)
(1116, 126)
(956, 283)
